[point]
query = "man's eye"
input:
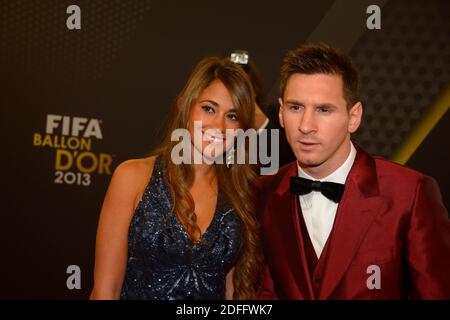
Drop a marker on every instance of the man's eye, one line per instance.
(294, 107)
(324, 110)
(208, 109)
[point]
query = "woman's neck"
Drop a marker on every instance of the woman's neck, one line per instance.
(205, 173)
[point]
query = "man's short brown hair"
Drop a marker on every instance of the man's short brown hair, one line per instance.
(322, 59)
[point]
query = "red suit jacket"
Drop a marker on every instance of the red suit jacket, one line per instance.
(390, 216)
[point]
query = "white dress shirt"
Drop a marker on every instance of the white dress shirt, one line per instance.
(318, 211)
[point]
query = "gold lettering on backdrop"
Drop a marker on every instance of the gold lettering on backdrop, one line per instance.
(62, 142)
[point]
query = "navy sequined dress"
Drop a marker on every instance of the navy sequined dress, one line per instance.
(163, 263)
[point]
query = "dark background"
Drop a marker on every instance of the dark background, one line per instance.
(127, 63)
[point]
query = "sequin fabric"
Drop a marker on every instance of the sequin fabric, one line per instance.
(163, 263)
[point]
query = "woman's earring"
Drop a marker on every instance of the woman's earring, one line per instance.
(230, 157)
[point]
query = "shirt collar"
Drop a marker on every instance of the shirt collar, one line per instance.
(340, 174)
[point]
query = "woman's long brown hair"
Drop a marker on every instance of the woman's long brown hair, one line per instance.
(237, 182)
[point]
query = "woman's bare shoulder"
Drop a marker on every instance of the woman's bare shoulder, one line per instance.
(135, 171)
(137, 166)
(130, 179)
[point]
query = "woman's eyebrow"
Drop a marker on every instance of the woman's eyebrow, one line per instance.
(210, 101)
(216, 104)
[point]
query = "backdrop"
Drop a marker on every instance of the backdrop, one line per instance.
(80, 96)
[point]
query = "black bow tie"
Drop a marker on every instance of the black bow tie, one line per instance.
(331, 190)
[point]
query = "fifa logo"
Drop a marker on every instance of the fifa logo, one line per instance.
(74, 126)
(72, 139)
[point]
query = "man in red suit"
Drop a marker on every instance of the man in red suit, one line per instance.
(338, 223)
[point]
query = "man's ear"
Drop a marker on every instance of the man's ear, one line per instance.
(280, 112)
(355, 113)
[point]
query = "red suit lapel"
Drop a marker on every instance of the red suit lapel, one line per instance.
(360, 205)
(284, 225)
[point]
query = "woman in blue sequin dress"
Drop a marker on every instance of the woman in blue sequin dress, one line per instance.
(171, 230)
